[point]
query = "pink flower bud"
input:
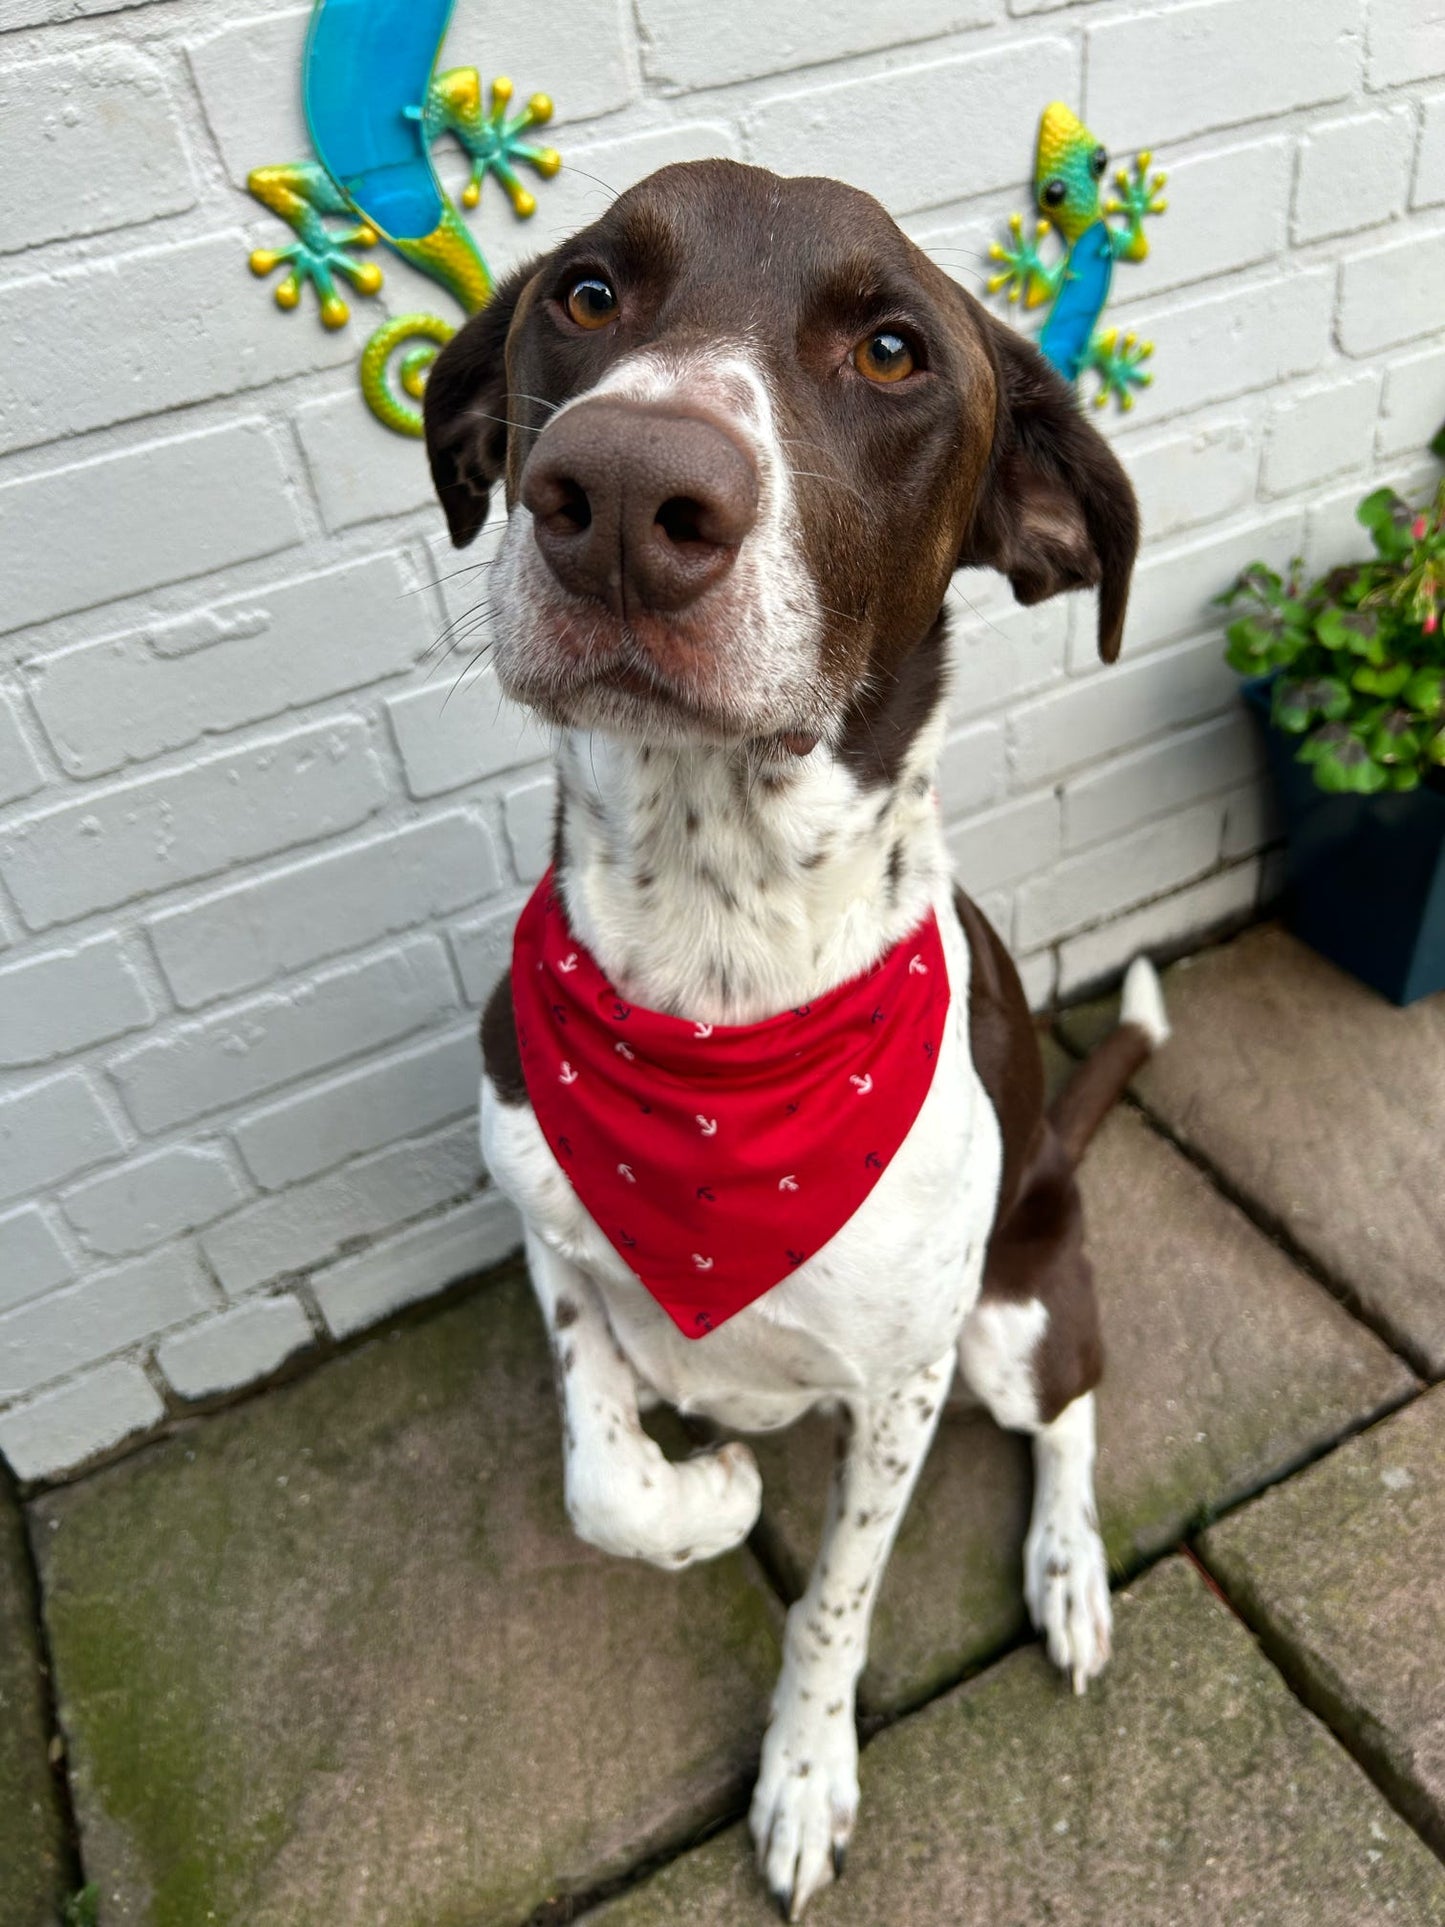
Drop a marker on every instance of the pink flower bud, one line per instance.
(1431, 622)
(1418, 528)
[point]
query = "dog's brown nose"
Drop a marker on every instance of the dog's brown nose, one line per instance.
(640, 507)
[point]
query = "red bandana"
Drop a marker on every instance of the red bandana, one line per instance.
(716, 1158)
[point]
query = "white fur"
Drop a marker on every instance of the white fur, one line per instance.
(996, 1349)
(1066, 1579)
(1143, 1002)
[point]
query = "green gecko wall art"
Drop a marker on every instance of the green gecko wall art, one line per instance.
(374, 105)
(1068, 172)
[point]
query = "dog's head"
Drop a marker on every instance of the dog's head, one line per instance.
(748, 431)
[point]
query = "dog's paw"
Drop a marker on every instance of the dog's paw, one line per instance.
(804, 1805)
(1066, 1585)
(643, 1507)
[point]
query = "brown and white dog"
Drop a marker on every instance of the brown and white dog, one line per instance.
(748, 431)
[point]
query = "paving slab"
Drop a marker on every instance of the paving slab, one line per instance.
(1324, 1107)
(1225, 1365)
(335, 1658)
(1342, 1572)
(31, 1831)
(1189, 1786)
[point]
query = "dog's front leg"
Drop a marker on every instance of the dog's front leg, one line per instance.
(622, 1494)
(807, 1792)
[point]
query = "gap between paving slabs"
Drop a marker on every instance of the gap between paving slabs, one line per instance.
(36, 1870)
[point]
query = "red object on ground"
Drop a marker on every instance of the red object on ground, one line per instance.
(716, 1159)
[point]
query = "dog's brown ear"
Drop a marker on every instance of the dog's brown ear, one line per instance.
(465, 410)
(1055, 510)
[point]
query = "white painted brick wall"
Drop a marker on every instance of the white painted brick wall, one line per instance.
(260, 848)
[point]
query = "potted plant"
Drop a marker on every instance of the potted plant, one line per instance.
(1348, 674)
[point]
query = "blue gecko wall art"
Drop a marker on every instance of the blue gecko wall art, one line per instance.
(374, 105)
(1069, 169)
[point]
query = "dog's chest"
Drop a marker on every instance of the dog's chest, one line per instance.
(884, 1298)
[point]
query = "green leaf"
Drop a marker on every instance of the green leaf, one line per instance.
(1396, 740)
(1425, 691)
(1388, 517)
(1358, 630)
(1386, 681)
(1405, 776)
(1296, 704)
(1261, 642)
(1435, 748)
(1341, 761)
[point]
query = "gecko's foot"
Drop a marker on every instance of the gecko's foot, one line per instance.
(1139, 194)
(320, 263)
(1024, 273)
(1118, 360)
(497, 147)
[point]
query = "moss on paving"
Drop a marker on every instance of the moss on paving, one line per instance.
(1188, 1787)
(31, 1831)
(336, 1657)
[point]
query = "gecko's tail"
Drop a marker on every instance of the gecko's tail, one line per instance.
(394, 394)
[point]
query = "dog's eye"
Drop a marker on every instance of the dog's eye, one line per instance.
(1098, 163)
(591, 303)
(1053, 194)
(884, 357)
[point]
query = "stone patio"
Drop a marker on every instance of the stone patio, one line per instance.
(333, 1656)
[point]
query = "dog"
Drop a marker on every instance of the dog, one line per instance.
(747, 432)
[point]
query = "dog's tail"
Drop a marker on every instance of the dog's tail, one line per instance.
(1096, 1086)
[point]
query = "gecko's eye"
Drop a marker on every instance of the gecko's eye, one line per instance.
(591, 302)
(1098, 163)
(1053, 194)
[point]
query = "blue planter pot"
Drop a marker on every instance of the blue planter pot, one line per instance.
(1366, 874)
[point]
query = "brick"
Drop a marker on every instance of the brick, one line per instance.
(1333, 534)
(87, 143)
(482, 947)
(1177, 71)
(993, 95)
(161, 328)
(1253, 181)
(392, 1097)
(1392, 293)
(1414, 404)
(358, 1291)
(154, 832)
(1251, 820)
(58, 1432)
(450, 732)
(1428, 189)
(1175, 920)
(142, 1203)
(120, 700)
(1038, 975)
(234, 1348)
(357, 474)
(20, 771)
(149, 516)
(1173, 590)
(971, 769)
(529, 814)
(254, 1046)
(997, 650)
(248, 933)
(31, 1258)
(52, 1130)
(105, 1312)
(1352, 174)
(1112, 708)
(248, 78)
(1314, 434)
(65, 999)
(1229, 344)
(1407, 41)
(683, 47)
(1086, 889)
(312, 1223)
(999, 846)
(1151, 783)
(1183, 478)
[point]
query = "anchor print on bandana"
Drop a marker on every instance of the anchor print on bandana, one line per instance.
(718, 1158)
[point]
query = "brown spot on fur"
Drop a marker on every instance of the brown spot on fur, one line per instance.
(501, 1056)
(565, 1314)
